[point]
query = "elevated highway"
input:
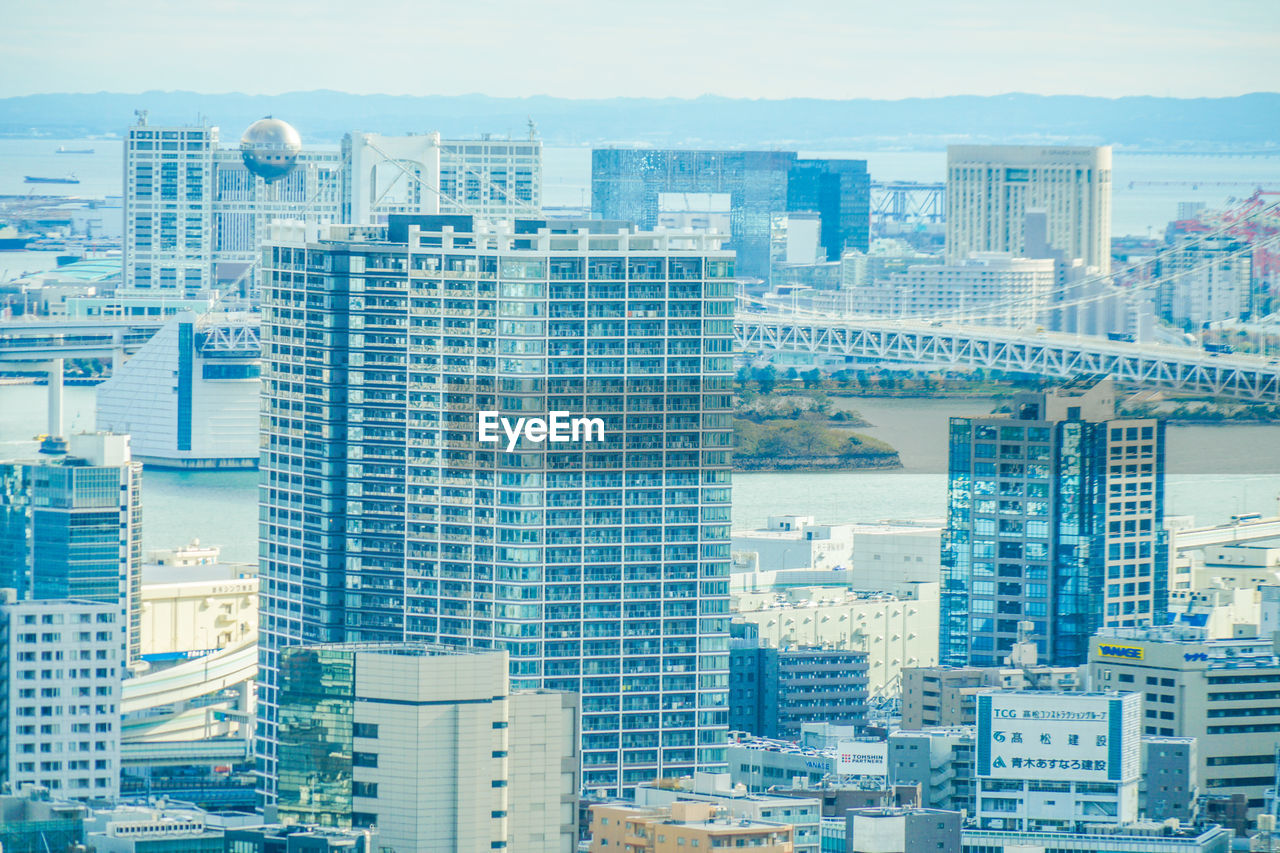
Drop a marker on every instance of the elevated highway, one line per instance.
(43, 341)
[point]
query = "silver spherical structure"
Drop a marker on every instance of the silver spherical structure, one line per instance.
(270, 148)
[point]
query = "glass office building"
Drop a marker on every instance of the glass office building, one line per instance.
(71, 527)
(628, 184)
(601, 566)
(1055, 516)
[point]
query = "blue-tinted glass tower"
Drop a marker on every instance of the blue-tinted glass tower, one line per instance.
(626, 184)
(1055, 516)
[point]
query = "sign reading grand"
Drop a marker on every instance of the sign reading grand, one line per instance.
(1086, 738)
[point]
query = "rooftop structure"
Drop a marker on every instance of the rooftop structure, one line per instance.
(681, 826)
(894, 629)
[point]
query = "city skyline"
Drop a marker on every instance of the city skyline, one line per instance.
(817, 49)
(915, 515)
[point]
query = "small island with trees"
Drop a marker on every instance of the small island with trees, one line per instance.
(794, 428)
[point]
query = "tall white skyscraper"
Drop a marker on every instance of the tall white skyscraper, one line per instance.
(990, 188)
(601, 565)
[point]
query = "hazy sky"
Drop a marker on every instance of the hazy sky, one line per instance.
(603, 48)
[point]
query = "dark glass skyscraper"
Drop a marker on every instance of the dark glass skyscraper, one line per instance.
(602, 566)
(626, 184)
(1055, 516)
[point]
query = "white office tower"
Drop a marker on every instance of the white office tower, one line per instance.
(991, 187)
(60, 689)
(168, 234)
(189, 397)
(428, 744)
(599, 559)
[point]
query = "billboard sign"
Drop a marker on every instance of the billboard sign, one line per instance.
(862, 758)
(1056, 736)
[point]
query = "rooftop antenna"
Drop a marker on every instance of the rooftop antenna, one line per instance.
(142, 117)
(533, 130)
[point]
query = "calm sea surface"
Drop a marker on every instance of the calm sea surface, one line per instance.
(1215, 472)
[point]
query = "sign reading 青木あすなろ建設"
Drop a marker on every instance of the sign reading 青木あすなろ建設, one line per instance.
(1083, 737)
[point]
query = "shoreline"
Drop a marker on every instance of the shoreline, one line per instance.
(809, 464)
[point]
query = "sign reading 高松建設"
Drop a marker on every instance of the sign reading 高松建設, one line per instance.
(1088, 737)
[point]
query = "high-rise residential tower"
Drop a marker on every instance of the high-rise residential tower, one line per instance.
(597, 557)
(990, 188)
(1055, 516)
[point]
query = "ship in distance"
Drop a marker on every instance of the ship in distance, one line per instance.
(62, 149)
(36, 179)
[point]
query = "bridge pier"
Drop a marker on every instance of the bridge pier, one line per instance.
(117, 351)
(54, 443)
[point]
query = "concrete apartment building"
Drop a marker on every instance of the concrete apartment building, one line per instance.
(947, 696)
(1206, 279)
(773, 692)
(802, 813)
(1170, 783)
(894, 629)
(990, 188)
(902, 830)
(938, 762)
(60, 696)
(681, 827)
(427, 744)
(987, 288)
(1223, 693)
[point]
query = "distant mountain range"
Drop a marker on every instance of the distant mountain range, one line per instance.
(1248, 122)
